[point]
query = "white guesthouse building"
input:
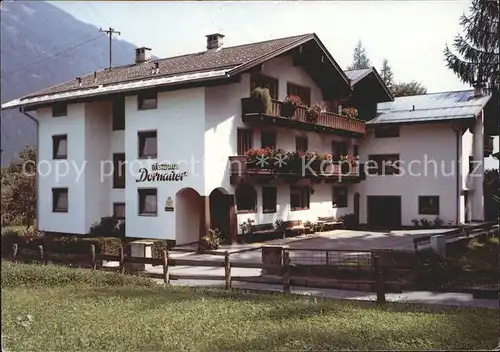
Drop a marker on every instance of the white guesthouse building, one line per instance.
(163, 144)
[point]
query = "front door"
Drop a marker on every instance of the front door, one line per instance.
(219, 212)
(356, 205)
(384, 211)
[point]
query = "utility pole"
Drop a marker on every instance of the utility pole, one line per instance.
(110, 32)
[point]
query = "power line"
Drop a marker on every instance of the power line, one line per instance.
(110, 33)
(54, 55)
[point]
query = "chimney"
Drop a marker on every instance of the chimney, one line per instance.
(214, 41)
(79, 80)
(95, 76)
(478, 90)
(142, 55)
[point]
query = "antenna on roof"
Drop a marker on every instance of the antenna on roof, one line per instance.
(110, 32)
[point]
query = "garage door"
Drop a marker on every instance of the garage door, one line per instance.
(384, 211)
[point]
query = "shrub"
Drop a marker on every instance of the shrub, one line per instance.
(17, 274)
(280, 226)
(81, 245)
(246, 226)
(23, 237)
(211, 240)
(262, 99)
(159, 246)
(350, 221)
(108, 227)
(438, 222)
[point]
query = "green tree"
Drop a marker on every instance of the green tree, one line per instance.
(19, 189)
(405, 89)
(476, 57)
(491, 194)
(386, 74)
(360, 58)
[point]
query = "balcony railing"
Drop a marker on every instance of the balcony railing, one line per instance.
(327, 121)
(240, 169)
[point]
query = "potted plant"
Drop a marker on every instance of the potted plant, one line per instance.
(350, 112)
(347, 162)
(280, 227)
(289, 105)
(260, 159)
(211, 240)
(312, 113)
(259, 102)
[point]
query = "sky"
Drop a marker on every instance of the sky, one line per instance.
(410, 34)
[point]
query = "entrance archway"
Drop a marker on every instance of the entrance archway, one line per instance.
(187, 216)
(221, 209)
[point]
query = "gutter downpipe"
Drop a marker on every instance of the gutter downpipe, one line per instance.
(458, 133)
(21, 109)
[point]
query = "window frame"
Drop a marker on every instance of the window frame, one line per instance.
(379, 170)
(304, 196)
(424, 210)
(119, 181)
(147, 95)
(141, 194)
(301, 140)
(254, 83)
(56, 192)
(118, 114)
(63, 112)
(273, 199)
(269, 134)
(381, 131)
(237, 196)
(290, 86)
(56, 139)
(240, 147)
(141, 136)
(339, 149)
(115, 205)
(345, 201)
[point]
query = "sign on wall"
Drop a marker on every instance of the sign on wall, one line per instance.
(161, 172)
(169, 204)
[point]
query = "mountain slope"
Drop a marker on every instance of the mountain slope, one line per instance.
(41, 46)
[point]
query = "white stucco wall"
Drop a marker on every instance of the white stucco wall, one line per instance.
(62, 173)
(431, 144)
(179, 122)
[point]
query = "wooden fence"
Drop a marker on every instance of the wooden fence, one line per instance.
(166, 262)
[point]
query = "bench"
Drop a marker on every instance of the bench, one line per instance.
(263, 228)
(295, 225)
(329, 222)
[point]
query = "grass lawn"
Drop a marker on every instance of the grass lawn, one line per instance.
(46, 308)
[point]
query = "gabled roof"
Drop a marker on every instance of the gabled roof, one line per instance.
(206, 65)
(356, 76)
(431, 107)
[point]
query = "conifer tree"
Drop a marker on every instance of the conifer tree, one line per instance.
(386, 73)
(360, 59)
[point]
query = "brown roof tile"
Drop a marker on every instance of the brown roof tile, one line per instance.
(203, 61)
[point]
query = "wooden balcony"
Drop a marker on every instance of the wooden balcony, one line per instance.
(328, 122)
(241, 170)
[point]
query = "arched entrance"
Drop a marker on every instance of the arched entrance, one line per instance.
(187, 216)
(221, 210)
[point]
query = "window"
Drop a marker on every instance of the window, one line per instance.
(263, 81)
(147, 100)
(355, 150)
(268, 139)
(299, 197)
(119, 211)
(59, 109)
(383, 164)
(60, 200)
(245, 140)
(148, 201)
(301, 144)
(471, 164)
(339, 197)
(147, 144)
(303, 93)
(428, 205)
(118, 114)
(119, 170)
(339, 149)
(269, 196)
(246, 198)
(387, 131)
(60, 146)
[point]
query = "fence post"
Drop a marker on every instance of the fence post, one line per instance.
(92, 256)
(14, 252)
(286, 271)
(227, 270)
(41, 255)
(122, 261)
(166, 276)
(379, 282)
